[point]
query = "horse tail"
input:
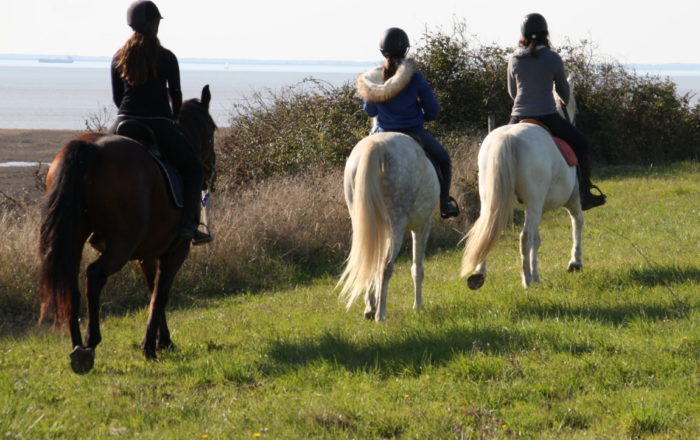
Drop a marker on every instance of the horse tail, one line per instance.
(61, 237)
(497, 191)
(371, 227)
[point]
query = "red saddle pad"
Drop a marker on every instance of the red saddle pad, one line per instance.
(566, 151)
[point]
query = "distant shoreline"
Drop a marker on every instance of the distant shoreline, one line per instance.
(263, 62)
(241, 61)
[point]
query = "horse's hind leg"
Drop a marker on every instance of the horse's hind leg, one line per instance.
(397, 240)
(111, 261)
(477, 279)
(529, 243)
(370, 304)
(168, 267)
(420, 239)
(575, 264)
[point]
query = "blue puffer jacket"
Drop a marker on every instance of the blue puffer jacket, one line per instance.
(403, 102)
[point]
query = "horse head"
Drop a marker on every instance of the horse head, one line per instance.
(570, 107)
(198, 127)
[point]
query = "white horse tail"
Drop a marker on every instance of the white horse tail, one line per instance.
(371, 227)
(497, 188)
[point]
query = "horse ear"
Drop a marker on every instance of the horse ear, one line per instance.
(206, 96)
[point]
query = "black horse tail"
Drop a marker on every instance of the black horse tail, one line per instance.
(63, 233)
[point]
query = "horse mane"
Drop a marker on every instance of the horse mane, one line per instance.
(193, 117)
(571, 106)
(196, 124)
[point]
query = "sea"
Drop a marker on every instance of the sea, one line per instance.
(40, 95)
(36, 95)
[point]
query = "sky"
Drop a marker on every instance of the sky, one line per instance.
(642, 31)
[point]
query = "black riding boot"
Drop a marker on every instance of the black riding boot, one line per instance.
(190, 213)
(588, 199)
(448, 205)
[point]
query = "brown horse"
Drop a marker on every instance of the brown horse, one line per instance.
(109, 187)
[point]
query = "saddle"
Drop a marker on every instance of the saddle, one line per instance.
(564, 148)
(142, 133)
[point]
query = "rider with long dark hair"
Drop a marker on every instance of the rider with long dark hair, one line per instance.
(403, 102)
(531, 71)
(146, 87)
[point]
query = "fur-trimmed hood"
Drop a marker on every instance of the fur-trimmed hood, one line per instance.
(371, 87)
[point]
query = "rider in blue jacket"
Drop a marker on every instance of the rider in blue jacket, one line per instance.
(401, 99)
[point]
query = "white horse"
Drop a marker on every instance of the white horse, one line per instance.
(521, 167)
(390, 187)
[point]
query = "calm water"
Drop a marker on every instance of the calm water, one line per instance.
(63, 96)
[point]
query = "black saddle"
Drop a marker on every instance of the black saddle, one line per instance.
(142, 133)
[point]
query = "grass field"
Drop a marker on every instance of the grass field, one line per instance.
(611, 352)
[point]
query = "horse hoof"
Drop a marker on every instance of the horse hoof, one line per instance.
(574, 267)
(369, 315)
(82, 359)
(166, 346)
(149, 354)
(476, 281)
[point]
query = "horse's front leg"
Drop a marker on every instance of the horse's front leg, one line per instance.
(157, 326)
(149, 267)
(575, 263)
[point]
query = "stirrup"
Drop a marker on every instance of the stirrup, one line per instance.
(590, 200)
(449, 208)
(200, 237)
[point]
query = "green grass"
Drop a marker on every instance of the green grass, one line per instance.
(611, 352)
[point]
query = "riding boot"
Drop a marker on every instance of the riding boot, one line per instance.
(190, 215)
(588, 199)
(448, 205)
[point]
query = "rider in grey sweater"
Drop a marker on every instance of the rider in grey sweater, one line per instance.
(531, 71)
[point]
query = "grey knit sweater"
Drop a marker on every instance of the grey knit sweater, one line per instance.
(530, 81)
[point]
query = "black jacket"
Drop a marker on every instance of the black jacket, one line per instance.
(153, 98)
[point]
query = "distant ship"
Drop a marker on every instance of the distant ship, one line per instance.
(56, 60)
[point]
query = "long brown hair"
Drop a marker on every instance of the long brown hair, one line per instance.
(537, 39)
(390, 66)
(138, 58)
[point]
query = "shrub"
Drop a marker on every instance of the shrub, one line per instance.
(285, 132)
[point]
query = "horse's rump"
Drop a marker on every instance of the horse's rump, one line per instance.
(389, 185)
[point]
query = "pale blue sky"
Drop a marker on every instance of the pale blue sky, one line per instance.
(630, 31)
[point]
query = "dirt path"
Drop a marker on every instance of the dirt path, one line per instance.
(23, 183)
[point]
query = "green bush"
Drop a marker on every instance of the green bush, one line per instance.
(630, 118)
(283, 133)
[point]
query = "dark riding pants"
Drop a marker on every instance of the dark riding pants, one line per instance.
(563, 129)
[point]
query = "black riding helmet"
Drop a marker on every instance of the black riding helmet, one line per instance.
(533, 25)
(394, 43)
(143, 16)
